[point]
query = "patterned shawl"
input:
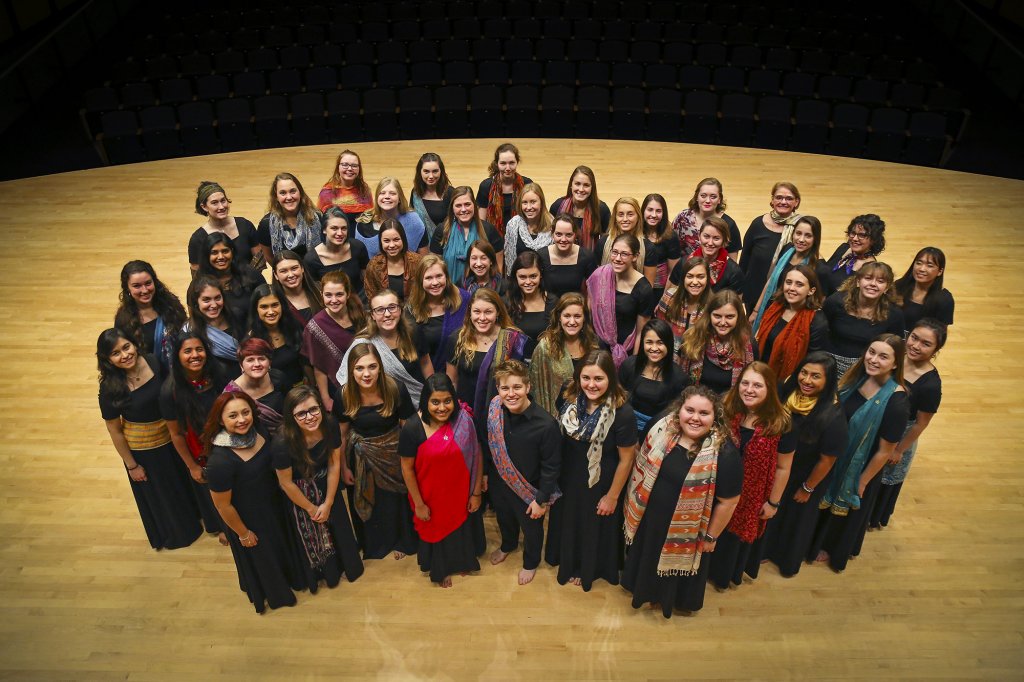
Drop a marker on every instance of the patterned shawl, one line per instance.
(315, 537)
(679, 326)
(687, 230)
(503, 462)
(269, 417)
(791, 344)
(579, 425)
(601, 292)
(680, 555)
(495, 202)
(510, 345)
(548, 374)
(759, 458)
(393, 367)
(305, 236)
(464, 433)
(864, 424)
(695, 368)
(517, 230)
(324, 344)
(376, 464)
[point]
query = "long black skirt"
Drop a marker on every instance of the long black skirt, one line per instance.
(455, 553)
(344, 561)
(389, 528)
(842, 536)
(166, 506)
(885, 505)
(787, 541)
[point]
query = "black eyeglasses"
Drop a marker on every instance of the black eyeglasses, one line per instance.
(307, 414)
(389, 309)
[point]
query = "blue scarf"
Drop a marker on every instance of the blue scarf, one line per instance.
(222, 344)
(772, 285)
(162, 345)
(842, 493)
(421, 211)
(456, 251)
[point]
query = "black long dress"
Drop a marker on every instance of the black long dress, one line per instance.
(562, 279)
(640, 575)
(269, 571)
(167, 508)
(390, 527)
(322, 561)
(842, 536)
(582, 544)
(787, 539)
(759, 245)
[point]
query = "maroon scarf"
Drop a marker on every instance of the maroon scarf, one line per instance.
(717, 265)
(495, 202)
(759, 459)
(324, 343)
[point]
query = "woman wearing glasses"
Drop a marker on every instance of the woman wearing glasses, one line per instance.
(310, 469)
(347, 189)
(865, 239)
(621, 299)
(766, 234)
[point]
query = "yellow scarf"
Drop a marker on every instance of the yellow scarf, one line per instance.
(798, 403)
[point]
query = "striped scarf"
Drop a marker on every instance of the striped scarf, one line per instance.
(495, 202)
(503, 463)
(680, 555)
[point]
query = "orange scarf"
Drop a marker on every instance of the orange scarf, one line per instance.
(791, 344)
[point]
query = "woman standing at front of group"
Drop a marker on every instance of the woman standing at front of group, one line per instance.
(292, 222)
(129, 399)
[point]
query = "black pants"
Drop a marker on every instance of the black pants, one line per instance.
(512, 518)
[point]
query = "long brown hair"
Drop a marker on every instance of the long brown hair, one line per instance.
(306, 208)
(555, 335)
(681, 297)
(899, 347)
(386, 386)
(770, 414)
(697, 337)
(467, 333)
(359, 183)
(213, 421)
(353, 306)
(449, 220)
(814, 300)
(406, 347)
(417, 303)
(593, 203)
(292, 433)
(603, 360)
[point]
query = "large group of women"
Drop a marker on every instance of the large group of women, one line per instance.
(682, 403)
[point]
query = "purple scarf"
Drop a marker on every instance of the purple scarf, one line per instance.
(601, 292)
(451, 321)
(510, 344)
(324, 343)
(464, 433)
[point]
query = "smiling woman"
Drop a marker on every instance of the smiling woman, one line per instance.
(864, 307)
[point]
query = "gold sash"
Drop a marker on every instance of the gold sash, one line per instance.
(146, 436)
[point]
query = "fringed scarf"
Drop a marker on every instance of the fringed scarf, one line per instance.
(305, 236)
(324, 344)
(548, 374)
(587, 237)
(495, 202)
(727, 361)
(601, 293)
(510, 345)
(464, 433)
(717, 266)
(791, 344)
(393, 367)
(680, 555)
(456, 250)
(772, 285)
(315, 537)
(518, 231)
(680, 325)
(577, 424)
(788, 225)
(376, 465)
(503, 462)
(864, 424)
(759, 458)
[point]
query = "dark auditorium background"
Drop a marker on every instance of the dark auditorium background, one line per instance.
(97, 82)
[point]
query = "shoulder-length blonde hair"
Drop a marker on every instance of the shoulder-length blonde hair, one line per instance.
(403, 202)
(770, 414)
(465, 342)
(386, 386)
(614, 233)
(697, 337)
(546, 220)
(451, 298)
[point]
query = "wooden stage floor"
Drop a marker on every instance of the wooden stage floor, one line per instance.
(937, 595)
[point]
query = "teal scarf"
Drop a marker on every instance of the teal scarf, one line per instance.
(456, 251)
(772, 285)
(842, 494)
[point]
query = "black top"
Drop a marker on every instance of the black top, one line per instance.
(831, 439)
(319, 453)
(483, 201)
(226, 469)
(648, 396)
(758, 248)
(925, 393)
(529, 438)
(428, 335)
(411, 437)
(787, 441)
(561, 279)
(628, 307)
(942, 310)
(238, 292)
(717, 379)
(818, 340)
(244, 243)
(605, 217)
(143, 404)
(437, 209)
(489, 233)
(894, 420)
(169, 410)
(467, 373)
(413, 366)
(372, 232)
(622, 433)
(657, 253)
(534, 324)
(833, 278)
(263, 236)
(850, 336)
(289, 361)
(368, 421)
(353, 267)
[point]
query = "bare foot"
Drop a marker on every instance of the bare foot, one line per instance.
(447, 582)
(576, 581)
(399, 555)
(821, 558)
(222, 539)
(526, 576)
(497, 556)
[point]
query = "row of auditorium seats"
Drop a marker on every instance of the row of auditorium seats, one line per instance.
(557, 111)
